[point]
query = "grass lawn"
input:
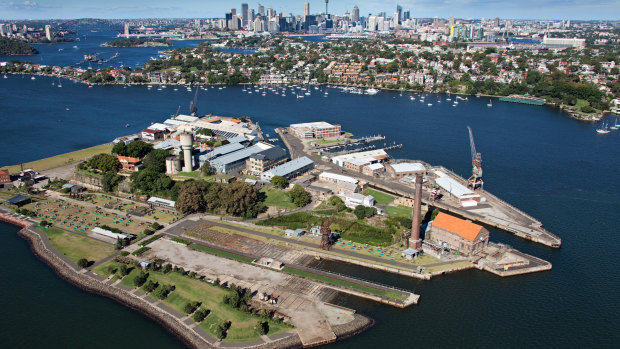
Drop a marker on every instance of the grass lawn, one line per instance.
(380, 197)
(76, 247)
(400, 210)
(62, 159)
(346, 284)
(102, 269)
(277, 197)
(187, 289)
(325, 141)
(193, 174)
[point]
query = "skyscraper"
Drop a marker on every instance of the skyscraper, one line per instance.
(451, 21)
(245, 15)
(398, 15)
(261, 10)
(406, 15)
(306, 9)
(355, 16)
(48, 32)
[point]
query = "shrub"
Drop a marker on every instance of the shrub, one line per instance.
(124, 253)
(149, 286)
(263, 328)
(190, 307)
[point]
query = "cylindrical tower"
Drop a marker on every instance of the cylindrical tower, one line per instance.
(187, 143)
(415, 241)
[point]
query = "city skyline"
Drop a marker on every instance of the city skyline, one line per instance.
(526, 9)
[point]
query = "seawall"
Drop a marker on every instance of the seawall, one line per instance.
(173, 325)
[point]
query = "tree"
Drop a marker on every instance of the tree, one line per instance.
(299, 196)
(263, 328)
(191, 197)
(167, 268)
(156, 160)
(123, 270)
(138, 149)
(120, 148)
(110, 180)
(359, 212)
(104, 163)
(140, 279)
(206, 169)
(83, 263)
(200, 315)
(150, 286)
(190, 307)
(279, 182)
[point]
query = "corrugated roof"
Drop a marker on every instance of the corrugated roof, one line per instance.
(461, 227)
(291, 166)
(408, 167)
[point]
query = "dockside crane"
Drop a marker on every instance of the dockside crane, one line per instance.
(192, 104)
(475, 181)
(326, 231)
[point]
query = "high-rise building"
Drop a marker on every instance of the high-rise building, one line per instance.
(261, 10)
(355, 16)
(2, 33)
(48, 32)
(496, 22)
(406, 15)
(451, 21)
(127, 29)
(326, 9)
(245, 15)
(306, 9)
(398, 16)
(233, 11)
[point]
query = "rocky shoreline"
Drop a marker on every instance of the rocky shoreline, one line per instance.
(173, 325)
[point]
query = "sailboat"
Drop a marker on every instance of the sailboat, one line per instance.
(615, 126)
(603, 129)
(490, 104)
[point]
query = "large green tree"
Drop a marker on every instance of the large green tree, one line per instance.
(191, 197)
(299, 196)
(138, 149)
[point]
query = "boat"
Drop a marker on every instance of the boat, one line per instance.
(490, 104)
(67, 108)
(523, 99)
(126, 125)
(604, 129)
(615, 126)
(6, 77)
(372, 91)
(33, 78)
(430, 104)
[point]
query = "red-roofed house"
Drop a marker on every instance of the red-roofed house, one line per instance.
(458, 234)
(5, 177)
(129, 163)
(152, 135)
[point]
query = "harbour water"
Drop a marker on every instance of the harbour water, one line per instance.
(553, 167)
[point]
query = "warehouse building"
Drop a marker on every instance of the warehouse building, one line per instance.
(405, 169)
(235, 161)
(288, 170)
(458, 234)
(315, 130)
(360, 159)
(457, 191)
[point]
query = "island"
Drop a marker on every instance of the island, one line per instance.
(206, 226)
(14, 47)
(140, 42)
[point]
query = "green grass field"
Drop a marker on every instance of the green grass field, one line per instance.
(380, 198)
(62, 159)
(400, 210)
(189, 290)
(76, 247)
(277, 197)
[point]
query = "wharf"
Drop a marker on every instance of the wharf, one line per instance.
(347, 142)
(494, 212)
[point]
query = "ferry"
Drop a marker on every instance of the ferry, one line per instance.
(372, 91)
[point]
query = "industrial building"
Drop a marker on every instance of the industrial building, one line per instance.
(373, 170)
(236, 160)
(265, 160)
(360, 159)
(352, 200)
(405, 169)
(5, 177)
(456, 190)
(316, 130)
(288, 170)
(458, 234)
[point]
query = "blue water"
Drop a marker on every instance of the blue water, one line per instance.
(553, 167)
(90, 40)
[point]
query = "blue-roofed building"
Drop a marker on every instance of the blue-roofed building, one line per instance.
(236, 160)
(288, 170)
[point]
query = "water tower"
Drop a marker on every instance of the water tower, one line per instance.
(187, 145)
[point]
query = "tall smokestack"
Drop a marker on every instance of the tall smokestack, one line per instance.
(415, 241)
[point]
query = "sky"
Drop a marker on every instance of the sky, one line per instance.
(514, 9)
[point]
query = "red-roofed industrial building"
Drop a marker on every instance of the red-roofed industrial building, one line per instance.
(129, 163)
(5, 177)
(458, 234)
